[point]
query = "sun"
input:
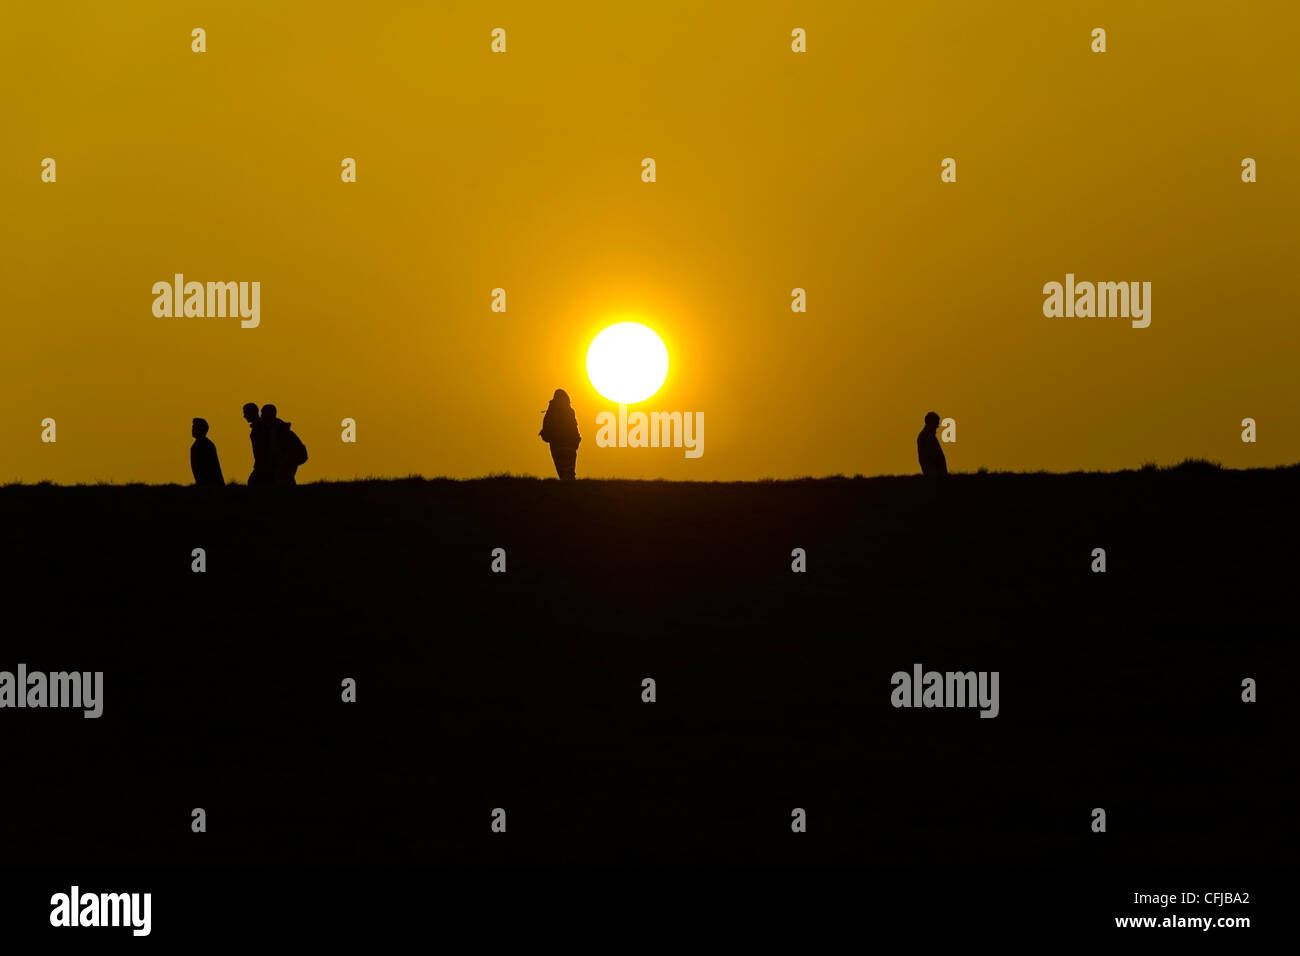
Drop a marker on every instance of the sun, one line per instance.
(627, 362)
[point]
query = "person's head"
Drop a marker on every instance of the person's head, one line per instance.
(931, 420)
(268, 413)
(199, 429)
(250, 412)
(561, 396)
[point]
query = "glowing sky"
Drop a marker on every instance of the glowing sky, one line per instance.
(522, 171)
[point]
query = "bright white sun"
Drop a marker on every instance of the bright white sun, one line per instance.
(627, 362)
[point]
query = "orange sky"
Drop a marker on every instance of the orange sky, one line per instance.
(775, 170)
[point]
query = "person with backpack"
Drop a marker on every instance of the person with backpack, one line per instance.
(560, 431)
(287, 450)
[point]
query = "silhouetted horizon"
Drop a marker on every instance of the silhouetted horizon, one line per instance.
(1186, 464)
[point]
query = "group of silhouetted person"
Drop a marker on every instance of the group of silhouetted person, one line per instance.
(560, 431)
(277, 450)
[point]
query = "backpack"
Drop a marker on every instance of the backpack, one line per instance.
(295, 449)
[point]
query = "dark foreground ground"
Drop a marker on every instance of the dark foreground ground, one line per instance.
(523, 690)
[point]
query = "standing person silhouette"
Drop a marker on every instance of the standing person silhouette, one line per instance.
(203, 457)
(928, 449)
(560, 431)
(260, 436)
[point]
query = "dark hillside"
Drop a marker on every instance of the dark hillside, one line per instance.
(522, 690)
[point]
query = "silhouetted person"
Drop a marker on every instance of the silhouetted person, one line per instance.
(203, 456)
(928, 449)
(260, 437)
(560, 431)
(286, 450)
